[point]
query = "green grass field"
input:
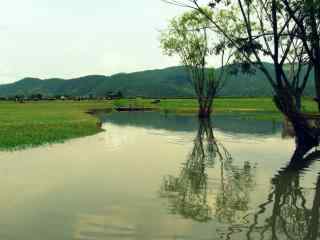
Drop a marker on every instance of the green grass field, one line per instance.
(36, 123)
(32, 124)
(257, 108)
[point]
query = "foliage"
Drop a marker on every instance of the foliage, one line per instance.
(187, 37)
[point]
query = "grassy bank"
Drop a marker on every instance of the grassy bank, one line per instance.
(32, 124)
(258, 108)
(35, 123)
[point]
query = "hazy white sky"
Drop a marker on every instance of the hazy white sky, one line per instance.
(70, 38)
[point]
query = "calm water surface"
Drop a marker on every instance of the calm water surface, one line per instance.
(155, 176)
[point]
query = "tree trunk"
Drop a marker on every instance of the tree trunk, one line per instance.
(204, 112)
(317, 82)
(306, 137)
(204, 108)
(298, 102)
(316, 53)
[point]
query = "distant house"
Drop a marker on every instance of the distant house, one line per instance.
(36, 97)
(63, 98)
(157, 101)
(20, 98)
(112, 95)
(50, 99)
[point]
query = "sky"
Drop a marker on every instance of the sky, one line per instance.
(72, 38)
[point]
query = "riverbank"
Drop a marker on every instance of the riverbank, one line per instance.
(32, 124)
(258, 108)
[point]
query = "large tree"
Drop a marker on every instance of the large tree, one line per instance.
(306, 15)
(263, 30)
(188, 37)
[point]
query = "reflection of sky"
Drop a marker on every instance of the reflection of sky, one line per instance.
(116, 136)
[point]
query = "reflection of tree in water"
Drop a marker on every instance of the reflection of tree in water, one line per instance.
(290, 211)
(188, 193)
(234, 195)
(287, 214)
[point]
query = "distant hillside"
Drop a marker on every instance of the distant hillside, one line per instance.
(169, 82)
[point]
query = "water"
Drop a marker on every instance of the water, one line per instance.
(155, 176)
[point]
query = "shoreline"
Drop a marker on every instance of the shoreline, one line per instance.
(34, 124)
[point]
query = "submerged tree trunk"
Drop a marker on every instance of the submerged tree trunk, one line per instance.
(204, 113)
(298, 102)
(307, 137)
(205, 109)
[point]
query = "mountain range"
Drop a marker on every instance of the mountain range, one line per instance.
(168, 82)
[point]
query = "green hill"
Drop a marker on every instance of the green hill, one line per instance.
(168, 82)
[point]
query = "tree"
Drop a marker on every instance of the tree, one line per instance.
(187, 37)
(263, 30)
(306, 15)
(298, 70)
